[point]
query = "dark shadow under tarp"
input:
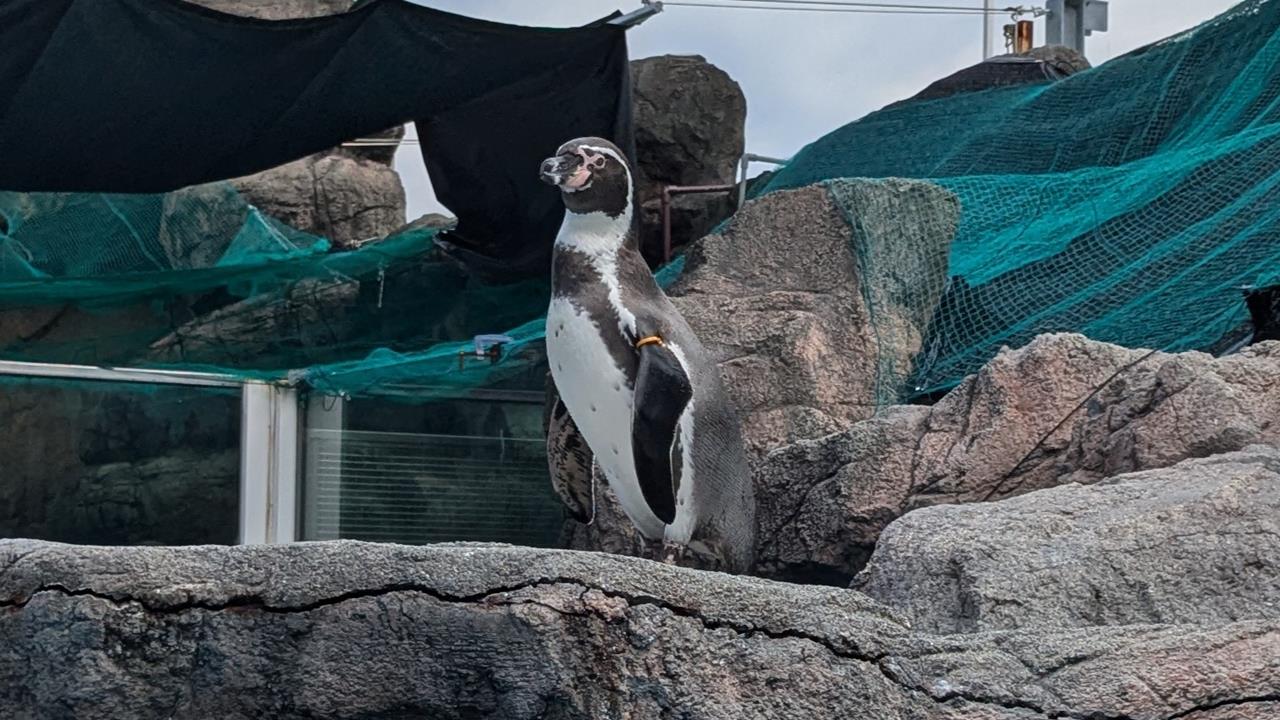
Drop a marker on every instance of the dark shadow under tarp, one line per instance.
(144, 96)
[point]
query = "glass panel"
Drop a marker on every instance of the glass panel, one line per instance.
(118, 463)
(387, 471)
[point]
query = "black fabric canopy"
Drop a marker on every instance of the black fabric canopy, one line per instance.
(151, 95)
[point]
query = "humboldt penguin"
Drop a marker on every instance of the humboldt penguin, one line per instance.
(643, 391)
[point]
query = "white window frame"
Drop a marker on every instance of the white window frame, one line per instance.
(269, 439)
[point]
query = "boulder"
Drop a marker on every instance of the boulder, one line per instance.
(271, 327)
(810, 342)
(347, 199)
(346, 630)
(1046, 63)
(277, 9)
(807, 343)
(198, 224)
(1196, 543)
(1062, 409)
(690, 128)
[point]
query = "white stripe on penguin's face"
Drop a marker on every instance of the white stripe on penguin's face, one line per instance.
(596, 232)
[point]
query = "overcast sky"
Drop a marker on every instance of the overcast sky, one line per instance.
(805, 74)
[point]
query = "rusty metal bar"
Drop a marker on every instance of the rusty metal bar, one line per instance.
(667, 192)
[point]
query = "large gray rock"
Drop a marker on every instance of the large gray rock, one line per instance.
(1195, 543)
(1062, 409)
(690, 128)
(808, 342)
(277, 9)
(307, 316)
(1046, 63)
(780, 296)
(347, 630)
(347, 199)
(198, 224)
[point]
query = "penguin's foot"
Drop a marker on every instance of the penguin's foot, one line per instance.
(650, 549)
(672, 553)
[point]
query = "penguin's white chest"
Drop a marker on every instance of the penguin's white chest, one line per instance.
(595, 390)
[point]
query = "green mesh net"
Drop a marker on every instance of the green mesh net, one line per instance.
(1131, 202)
(200, 280)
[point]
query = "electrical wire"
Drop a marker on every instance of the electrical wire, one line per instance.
(869, 11)
(885, 5)
(855, 6)
(379, 142)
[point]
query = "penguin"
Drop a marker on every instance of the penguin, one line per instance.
(643, 391)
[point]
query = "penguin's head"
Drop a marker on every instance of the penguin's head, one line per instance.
(593, 176)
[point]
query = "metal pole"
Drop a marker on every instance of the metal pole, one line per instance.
(667, 192)
(987, 7)
(666, 224)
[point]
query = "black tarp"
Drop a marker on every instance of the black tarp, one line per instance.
(151, 95)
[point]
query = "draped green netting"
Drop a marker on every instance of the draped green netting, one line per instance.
(200, 280)
(1131, 202)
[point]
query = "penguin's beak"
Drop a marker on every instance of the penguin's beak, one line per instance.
(555, 170)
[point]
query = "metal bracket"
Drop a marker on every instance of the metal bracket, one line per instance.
(648, 9)
(1069, 22)
(489, 346)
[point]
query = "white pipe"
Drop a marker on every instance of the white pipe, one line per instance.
(747, 159)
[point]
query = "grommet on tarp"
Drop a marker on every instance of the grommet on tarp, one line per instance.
(489, 346)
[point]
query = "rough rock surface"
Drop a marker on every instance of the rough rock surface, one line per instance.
(1195, 543)
(347, 630)
(1049, 62)
(801, 352)
(690, 127)
(1062, 409)
(198, 224)
(804, 354)
(310, 314)
(338, 196)
(277, 9)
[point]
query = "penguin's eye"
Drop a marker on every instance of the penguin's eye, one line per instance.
(595, 163)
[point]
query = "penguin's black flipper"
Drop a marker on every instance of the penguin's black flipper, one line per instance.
(661, 394)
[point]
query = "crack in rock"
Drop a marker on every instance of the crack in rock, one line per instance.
(1248, 700)
(491, 596)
